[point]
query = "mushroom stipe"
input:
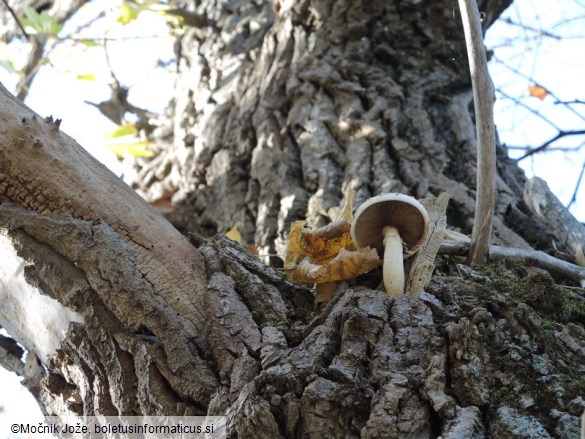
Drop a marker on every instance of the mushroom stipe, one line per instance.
(392, 224)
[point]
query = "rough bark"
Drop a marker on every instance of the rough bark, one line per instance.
(280, 108)
(309, 98)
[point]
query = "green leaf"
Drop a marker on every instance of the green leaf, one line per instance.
(42, 23)
(128, 13)
(135, 149)
(89, 43)
(128, 129)
(86, 77)
(8, 65)
(130, 9)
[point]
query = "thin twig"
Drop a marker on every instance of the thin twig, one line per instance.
(539, 32)
(575, 101)
(551, 149)
(546, 144)
(483, 98)
(530, 109)
(528, 78)
(41, 51)
(24, 32)
(574, 197)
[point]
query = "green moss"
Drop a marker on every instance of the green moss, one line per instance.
(573, 383)
(547, 326)
(574, 308)
(552, 302)
(242, 282)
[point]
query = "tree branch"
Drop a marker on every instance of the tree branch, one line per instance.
(11, 11)
(483, 97)
(522, 75)
(546, 144)
(157, 280)
(532, 257)
(530, 109)
(539, 32)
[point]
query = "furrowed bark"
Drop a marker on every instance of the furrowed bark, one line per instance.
(279, 108)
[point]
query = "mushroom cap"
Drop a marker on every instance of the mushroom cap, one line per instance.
(401, 211)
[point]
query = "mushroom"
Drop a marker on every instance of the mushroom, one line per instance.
(388, 222)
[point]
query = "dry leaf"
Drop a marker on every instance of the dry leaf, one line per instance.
(345, 265)
(325, 243)
(537, 91)
(327, 254)
(234, 234)
(253, 249)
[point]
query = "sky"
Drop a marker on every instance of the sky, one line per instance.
(542, 43)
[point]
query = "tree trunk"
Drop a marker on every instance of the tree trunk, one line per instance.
(294, 102)
(281, 107)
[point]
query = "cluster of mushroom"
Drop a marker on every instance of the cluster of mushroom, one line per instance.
(392, 224)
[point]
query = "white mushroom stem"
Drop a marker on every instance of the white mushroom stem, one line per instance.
(393, 268)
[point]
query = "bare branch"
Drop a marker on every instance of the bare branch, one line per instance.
(574, 197)
(530, 109)
(536, 258)
(539, 32)
(550, 149)
(575, 101)
(11, 11)
(483, 97)
(522, 75)
(31, 67)
(546, 144)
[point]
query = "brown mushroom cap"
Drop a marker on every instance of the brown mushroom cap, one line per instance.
(401, 211)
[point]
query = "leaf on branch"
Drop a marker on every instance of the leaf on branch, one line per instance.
(86, 77)
(128, 13)
(135, 149)
(327, 254)
(124, 140)
(8, 65)
(537, 91)
(128, 129)
(131, 9)
(89, 43)
(42, 23)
